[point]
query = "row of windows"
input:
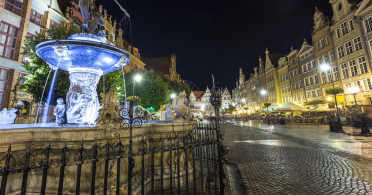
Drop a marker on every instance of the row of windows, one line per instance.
(322, 43)
(307, 67)
(311, 80)
(285, 88)
(345, 28)
(349, 47)
(313, 93)
(283, 77)
(351, 68)
(306, 54)
(363, 85)
(326, 59)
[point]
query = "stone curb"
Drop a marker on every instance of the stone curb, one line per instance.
(243, 177)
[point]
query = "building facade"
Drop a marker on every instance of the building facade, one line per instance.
(351, 52)
(285, 89)
(309, 75)
(21, 19)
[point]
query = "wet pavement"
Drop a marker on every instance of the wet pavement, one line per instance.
(299, 159)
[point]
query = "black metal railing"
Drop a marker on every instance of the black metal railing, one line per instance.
(190, 162)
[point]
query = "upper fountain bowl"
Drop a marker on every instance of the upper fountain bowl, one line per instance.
(83, 52)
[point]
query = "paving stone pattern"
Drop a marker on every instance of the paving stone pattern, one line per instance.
(312, 168)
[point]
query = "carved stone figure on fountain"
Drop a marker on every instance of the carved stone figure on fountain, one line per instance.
(82, 100)
(59, 111)
(181, 107)
(8, 116)
(110, 109)
(168, 115)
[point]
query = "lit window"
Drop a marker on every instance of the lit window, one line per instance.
(344, 28)
(4, 74)
(35, 17)
(340, 50)
(318, 91)
(338, 34)
(332, 54)
(351, 25)
(14, 6)
(348, 48)
(322, 43)
(353, 68)
(357, 43)
(320, 60)
(362, 65)
(8, 39)
(329, 75)
(314, 95)
(367, 84)
(311, 81)
(53, 24)
(368, 24)
(326, 60)
(335, 73)
(316, 78)
(323, 78)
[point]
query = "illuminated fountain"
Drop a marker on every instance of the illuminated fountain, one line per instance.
(86, 56)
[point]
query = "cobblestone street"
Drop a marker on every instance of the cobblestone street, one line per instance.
(284, 159)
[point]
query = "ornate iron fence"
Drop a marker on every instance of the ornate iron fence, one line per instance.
(197, 167)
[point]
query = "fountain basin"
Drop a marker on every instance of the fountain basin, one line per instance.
(86, 57)
(83, 53)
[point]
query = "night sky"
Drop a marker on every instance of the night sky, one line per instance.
(217, 37)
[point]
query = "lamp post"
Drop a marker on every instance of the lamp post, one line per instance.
(324, 68)
(172, 96)
(136, 78)
(264, 92)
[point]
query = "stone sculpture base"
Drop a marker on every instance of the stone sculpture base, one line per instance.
(81, 99)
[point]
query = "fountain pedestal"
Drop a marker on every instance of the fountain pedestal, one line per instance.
(82, 100)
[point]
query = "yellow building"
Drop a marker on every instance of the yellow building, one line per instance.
(352, 54)
(272, 78)
(295, 77)
(285, 89)
(324, 54)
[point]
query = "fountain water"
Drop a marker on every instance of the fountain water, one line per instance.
(49, 98)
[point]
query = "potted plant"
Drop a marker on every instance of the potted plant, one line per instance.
(334, 90)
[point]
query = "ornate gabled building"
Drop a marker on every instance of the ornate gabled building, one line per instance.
(285, 88)
(226, 98)
(310, 75)
(272, 78)
(324, 53)
(295, 77)
(351, 52)
(200, 102)
(166, 65)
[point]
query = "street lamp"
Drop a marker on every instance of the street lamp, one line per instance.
(326, 67)
(243, 100)
(353, 91)
(136, 78)
(172, 96)
(264, 92)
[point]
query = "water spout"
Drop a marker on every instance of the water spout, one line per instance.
(44, 118)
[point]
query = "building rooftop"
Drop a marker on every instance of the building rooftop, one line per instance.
(198, 95)
(160, 64)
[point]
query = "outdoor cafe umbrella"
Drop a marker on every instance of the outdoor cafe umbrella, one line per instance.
(320, 109)
(289, 106)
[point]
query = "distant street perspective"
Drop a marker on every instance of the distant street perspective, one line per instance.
(296, 159)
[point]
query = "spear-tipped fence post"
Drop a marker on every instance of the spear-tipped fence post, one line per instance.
(119, 146)
(80, 150)
(94, 149)
(107, 157)
(26, 168)
(6, 169)
(46, 166)
(62, 168)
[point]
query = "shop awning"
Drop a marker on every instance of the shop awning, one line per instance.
(314, 102)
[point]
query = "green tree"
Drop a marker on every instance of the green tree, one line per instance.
(229, 109)
(176, 87)
(39, 69)
(152, 89)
